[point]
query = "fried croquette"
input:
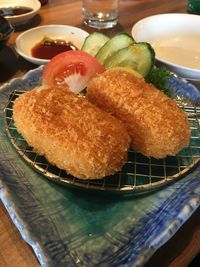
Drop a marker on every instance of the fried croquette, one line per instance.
(71, 133)
(157, 126)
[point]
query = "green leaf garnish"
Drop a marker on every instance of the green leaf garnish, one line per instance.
(159, 77)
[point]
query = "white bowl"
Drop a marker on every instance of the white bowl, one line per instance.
(175, 39)
(28, 39)
(20, 19)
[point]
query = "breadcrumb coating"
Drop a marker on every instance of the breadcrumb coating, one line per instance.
(157, 126)
(71, 133)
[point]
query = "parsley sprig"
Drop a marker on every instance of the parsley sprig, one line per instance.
(159, 77)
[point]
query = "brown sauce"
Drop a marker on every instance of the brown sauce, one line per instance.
(14, 11)
(48, 48)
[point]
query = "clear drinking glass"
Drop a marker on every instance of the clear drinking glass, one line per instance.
(100, 14)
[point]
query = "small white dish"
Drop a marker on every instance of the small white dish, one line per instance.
(175, 39)
(28, 39)
(15, 20)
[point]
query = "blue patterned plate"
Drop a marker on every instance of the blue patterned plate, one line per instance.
(78, 228)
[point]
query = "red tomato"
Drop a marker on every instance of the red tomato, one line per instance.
(74, 68)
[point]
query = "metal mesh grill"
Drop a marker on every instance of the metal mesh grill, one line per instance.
(140, 174)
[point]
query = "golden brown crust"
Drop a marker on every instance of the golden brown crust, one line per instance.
(156, 125)
(72, 133)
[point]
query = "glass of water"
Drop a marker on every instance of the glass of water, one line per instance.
(100, 14)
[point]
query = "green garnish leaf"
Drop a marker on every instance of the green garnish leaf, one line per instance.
(159, 77)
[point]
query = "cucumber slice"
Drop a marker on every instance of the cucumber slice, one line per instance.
(94, 42)
(117, 42)
(139, 56)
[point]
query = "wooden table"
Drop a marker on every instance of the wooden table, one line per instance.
(14, 252)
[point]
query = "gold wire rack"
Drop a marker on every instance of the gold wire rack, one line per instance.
(139, 175)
